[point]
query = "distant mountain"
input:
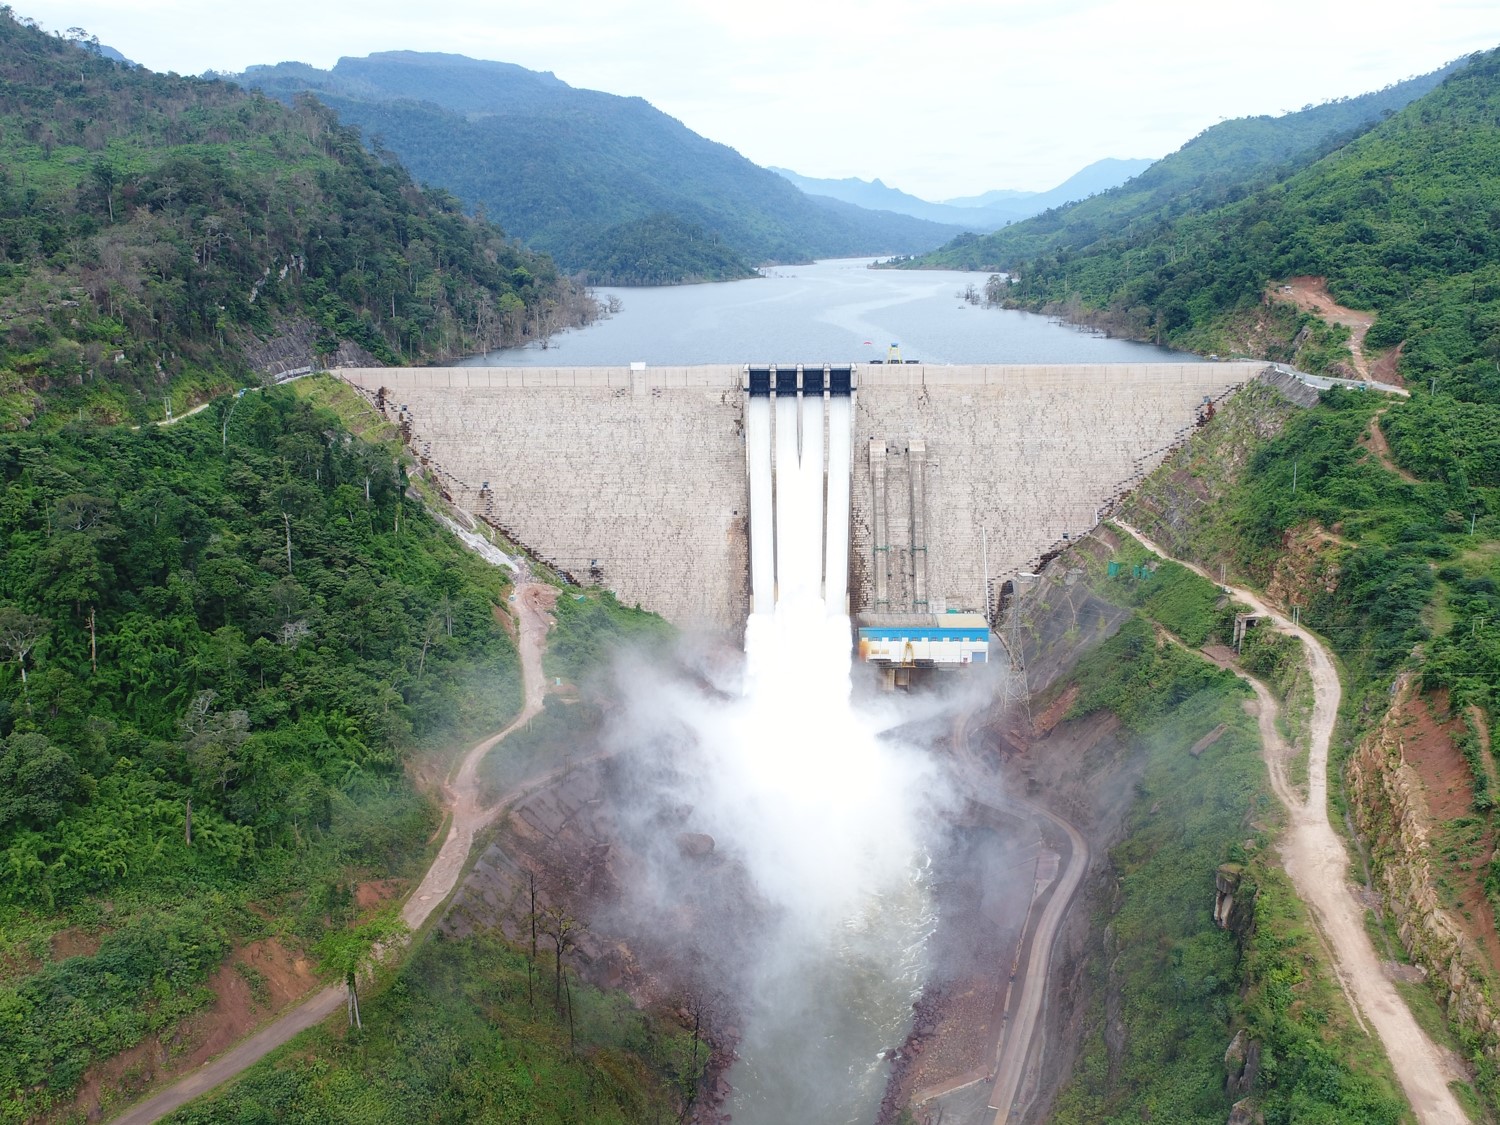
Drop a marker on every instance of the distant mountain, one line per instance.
(1099, 176)
(1220, 165)
(583, 174)
(976, 213)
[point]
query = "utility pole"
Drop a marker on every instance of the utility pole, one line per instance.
(1014, 688)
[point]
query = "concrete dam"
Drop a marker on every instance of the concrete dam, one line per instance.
(638, 478)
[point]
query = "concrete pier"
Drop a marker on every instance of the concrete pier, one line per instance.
(639, 479)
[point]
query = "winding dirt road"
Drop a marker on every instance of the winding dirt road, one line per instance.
(1315, 860)
(1311, 294)
(531, 604)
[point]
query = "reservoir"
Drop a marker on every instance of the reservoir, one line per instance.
(829, 311)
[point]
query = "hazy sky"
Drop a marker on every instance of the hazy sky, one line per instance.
(937, 97)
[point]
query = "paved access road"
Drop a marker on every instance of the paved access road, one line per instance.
(1015, 1041)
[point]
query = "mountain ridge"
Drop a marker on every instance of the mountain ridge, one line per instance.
(569, 170)
(989, 211)
(1225, 162)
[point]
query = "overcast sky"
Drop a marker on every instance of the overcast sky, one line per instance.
(937, 97)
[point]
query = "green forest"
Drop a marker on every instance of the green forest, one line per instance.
(228, 643)
(1221, 165)
(1171, 985)
(662, 250)
(1405, 579)
(455, 1038)
(1401, 220)
(223, 639)
(152, 227)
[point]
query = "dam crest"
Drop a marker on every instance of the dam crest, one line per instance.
(638, 478)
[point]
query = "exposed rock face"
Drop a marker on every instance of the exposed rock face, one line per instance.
(696, 844)
(1168, 504)
(292, 347)
(1244, 1113)
(1241, 1065)
(1308, 561)
(1391, 813)
(1291, 387)
(1226, 882)
(1116, 1034)
(1233, 901)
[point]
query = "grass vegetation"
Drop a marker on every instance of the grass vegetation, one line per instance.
(1171, 988)
(453, 1038)
(1397, 545)
(1367, 553)
(564, 733)
(592, 626)
(455, 1033)
(232, 640)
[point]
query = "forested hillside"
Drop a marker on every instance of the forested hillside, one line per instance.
(1222, 164)
(576, 172)
(230, 646)
(222, 640)
(1404, 221)
(154, 229)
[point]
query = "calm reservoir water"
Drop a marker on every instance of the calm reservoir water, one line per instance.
(830, 311)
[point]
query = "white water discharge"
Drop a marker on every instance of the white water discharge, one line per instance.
(823, 811)
(816, 816)
(840, 427)
(790, 538)
(762, 547)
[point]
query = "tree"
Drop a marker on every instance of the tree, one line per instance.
(37, 780)
(357, 952)
(562, 928)
(212, 739)
(20, 633)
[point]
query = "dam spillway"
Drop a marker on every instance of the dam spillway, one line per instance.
(640, 479)
(794, 549)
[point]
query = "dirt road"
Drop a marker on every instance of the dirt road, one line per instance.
(1315, 860)
(1311, 294)
(531, 605)
(532, 601)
